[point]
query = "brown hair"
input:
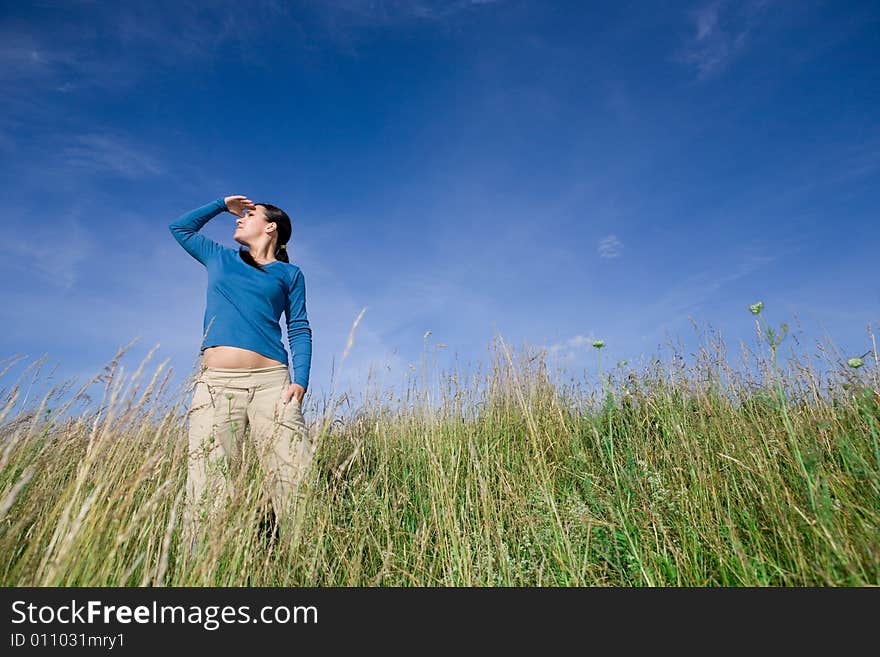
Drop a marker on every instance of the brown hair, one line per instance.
(282, 221)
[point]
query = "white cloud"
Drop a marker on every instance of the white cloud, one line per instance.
(720, 33)
(113, 46)
(706, 20)
(53, 250)
(370, 12)
(690, 293)
(102, 152)
(610, 247)
(568, 350)
(344, 21)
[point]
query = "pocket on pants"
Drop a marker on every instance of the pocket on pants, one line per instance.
(289, 414)
(202, 397)
(280, 404)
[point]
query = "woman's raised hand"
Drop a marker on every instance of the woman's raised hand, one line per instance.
(238, 204)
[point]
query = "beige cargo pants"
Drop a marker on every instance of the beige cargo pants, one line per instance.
(225, 402)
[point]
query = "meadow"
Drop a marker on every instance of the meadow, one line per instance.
(765, 471)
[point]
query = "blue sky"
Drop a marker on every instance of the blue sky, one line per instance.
(553, 172)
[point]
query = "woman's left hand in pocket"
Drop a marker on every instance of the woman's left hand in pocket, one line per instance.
(294, 390)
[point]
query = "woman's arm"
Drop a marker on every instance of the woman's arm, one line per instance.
(185, 230)
(299, 333)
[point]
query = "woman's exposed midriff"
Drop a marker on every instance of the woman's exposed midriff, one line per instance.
(235, 357)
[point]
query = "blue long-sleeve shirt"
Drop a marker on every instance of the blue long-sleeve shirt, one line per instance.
(244, 305)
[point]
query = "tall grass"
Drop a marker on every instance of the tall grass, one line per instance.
(682, 475)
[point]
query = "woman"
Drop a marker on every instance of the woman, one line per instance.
(244, 381)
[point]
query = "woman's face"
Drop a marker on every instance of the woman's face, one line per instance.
(250, 227)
